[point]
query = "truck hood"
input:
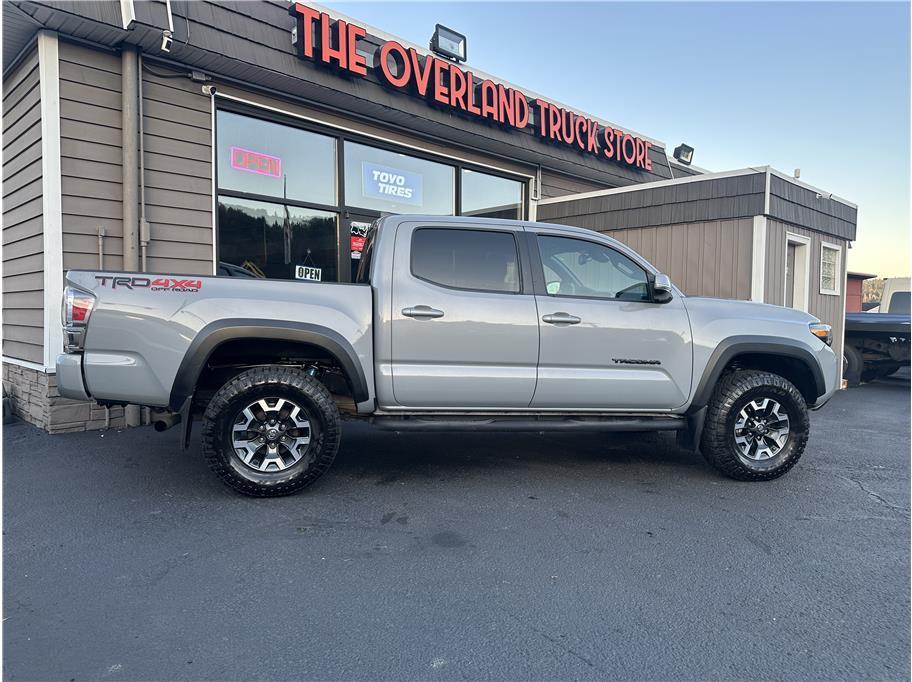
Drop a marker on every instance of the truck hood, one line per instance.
(749, 310)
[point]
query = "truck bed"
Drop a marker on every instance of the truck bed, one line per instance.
(144, 325)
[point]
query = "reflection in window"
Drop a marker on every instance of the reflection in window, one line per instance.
(260, 157)
(272, 240)
(574, 267)
(466, 259)
(391, 182)
(490, 196)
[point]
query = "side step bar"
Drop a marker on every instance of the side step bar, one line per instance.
(529, 423)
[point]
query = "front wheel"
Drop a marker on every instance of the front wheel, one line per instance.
(852, 364)
(271, 431)
(756, 426)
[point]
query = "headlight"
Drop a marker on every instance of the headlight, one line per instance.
(822, 331)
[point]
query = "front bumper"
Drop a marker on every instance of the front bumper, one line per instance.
(829, 365)
(70, 382)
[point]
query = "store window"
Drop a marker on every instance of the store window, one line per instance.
(481, 260)
(390, 182)
(274, 160)
(293, 202)
(574, 267)
(829, 269)
(277, 241)
(490, 196)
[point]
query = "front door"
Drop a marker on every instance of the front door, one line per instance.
(604, 343)
(464, 322)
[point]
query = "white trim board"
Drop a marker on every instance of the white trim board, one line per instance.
(52, 218)
(37, 366)
(805, 270)
(700, 178)
(758, 260)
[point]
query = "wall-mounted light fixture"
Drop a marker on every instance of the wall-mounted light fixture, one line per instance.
(448, 43)
(684, 154)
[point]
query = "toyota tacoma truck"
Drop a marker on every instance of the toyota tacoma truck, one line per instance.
(452, 324)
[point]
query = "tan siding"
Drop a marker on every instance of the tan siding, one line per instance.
(90, 163)
(23, 241)
(829, 309)
(703, 259)
(177, 139)
(556, 185)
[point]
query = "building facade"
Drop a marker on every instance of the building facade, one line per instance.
(260, 139)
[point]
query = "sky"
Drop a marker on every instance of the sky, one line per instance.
(820, 86)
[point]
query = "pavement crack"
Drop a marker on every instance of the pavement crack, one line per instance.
(557, 642)
(870, 493)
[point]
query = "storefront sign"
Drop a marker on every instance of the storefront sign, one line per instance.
(255, 162)
(335, 43)
(390, 184)
(308, 272)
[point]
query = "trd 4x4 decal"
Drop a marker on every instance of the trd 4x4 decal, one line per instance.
(157, 284)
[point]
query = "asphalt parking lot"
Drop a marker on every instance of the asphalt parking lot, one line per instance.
(463, 556)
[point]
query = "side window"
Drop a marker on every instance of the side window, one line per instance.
(899, 303)
(575, 267)
(482, 260)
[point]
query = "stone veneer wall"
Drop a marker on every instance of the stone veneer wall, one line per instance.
(34, 398)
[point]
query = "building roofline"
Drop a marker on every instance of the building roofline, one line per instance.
(694, 178)
(379, 33)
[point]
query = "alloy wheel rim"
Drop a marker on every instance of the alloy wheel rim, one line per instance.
(761, 429)
(271, 434)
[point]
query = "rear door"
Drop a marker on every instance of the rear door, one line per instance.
(604, 343)
(464, 320)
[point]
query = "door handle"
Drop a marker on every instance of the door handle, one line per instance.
(422, 312)
(561, 318)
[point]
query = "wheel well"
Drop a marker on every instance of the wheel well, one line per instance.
(232, 357)
(787, 367)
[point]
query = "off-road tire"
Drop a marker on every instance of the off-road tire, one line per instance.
(262, 382)
(854, 365)
(734, 391)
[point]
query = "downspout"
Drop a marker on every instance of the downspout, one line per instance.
(144, 235)
(129, 142)
(101, 236)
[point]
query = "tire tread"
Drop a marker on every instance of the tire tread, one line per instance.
(716, 444)
(254, 378)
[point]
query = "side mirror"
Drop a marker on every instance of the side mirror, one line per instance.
(662, 291)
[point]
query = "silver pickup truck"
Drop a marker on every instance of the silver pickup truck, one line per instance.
(452, 324)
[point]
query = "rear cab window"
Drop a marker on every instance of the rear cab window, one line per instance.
(474, 260)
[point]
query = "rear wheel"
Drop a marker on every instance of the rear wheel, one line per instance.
(756, 426)
(271, 431)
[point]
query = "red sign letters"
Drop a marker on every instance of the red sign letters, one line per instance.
(335, 43)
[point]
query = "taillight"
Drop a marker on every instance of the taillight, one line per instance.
(77, 305)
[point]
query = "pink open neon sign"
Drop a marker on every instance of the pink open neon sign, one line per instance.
(255, 162)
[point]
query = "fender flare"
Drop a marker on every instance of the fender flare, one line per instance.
(217, 333)
(731, 347)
